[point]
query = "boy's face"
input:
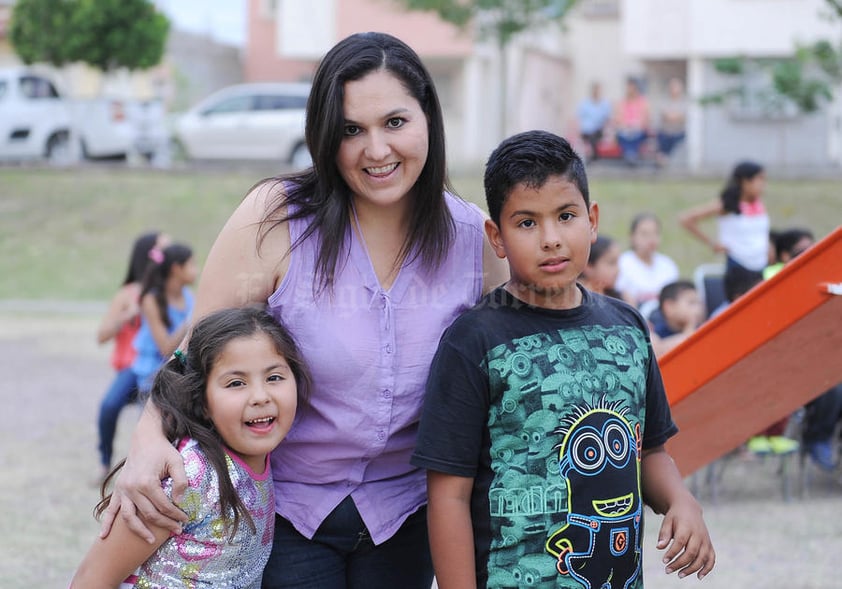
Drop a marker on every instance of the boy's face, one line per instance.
(685, 311)
(546, 234)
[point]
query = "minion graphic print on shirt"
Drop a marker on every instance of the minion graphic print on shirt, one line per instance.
(557, 483)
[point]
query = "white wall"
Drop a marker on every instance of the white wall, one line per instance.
(655, 29)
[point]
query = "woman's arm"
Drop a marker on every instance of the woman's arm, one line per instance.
(123, 307)
(451, 531)
(109, 561)
(233, 275)
(691, 218)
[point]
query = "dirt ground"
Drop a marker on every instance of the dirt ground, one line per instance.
(55, 375)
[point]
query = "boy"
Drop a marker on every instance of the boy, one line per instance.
(679, 314)
(545, 417)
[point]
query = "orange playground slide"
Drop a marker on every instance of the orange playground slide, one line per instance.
(772, 351)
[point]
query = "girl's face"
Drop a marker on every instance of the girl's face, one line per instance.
(646, 238)
(602, 274)
(752, 188)
(186, 272)
(385, 140)
(252, 397)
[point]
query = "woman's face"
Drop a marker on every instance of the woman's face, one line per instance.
(385, 140)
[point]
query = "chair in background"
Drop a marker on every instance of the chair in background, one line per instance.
(710, 284)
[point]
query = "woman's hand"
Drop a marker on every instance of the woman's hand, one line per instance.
(138, 496)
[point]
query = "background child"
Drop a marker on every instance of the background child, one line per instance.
(121, 323)
(643, 269)
(679, 314)
(741, 215)
(226, 404)
(543, 427)
(165, 305)
(600, 274)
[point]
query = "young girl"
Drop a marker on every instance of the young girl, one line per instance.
(600, 275)
(644, 271)
(121, 323)
(166, 304)
(225, 405)
(742, 218)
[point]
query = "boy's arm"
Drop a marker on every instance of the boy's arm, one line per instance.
(683, 531)
(451, 531)
(109, 561)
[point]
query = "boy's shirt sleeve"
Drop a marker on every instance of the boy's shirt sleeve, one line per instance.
(659, 424)
(455, 410)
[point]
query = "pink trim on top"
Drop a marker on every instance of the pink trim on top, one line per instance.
(267, 471)
(752, 208)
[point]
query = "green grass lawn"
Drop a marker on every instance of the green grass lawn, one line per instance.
(66, 234)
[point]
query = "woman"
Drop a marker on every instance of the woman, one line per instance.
(367, 257)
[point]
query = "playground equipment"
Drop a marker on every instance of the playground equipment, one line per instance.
(770, 352)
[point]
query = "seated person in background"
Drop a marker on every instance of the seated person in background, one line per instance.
(644, 271)
(679, 313)
(822, 413)
(594, 113)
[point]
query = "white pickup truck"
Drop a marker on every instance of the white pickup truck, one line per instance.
(37, 122)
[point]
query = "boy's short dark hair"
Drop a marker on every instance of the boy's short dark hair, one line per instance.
(530, 158)
(673, 290)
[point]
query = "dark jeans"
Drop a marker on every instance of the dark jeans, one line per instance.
(668, 142)
(123, 390)
(341, 555)
(630, 143)
(821, 416)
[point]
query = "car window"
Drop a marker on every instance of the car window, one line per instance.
(279, 102)
(34, 87)
(231, 105)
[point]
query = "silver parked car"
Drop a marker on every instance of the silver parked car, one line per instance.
(256, 121)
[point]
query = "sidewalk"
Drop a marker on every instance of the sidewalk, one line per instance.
(54, 378)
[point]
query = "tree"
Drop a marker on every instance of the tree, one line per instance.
(106, 34)
(39, 29)
(498, 20)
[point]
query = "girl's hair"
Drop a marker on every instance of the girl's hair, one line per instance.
(730, 195)
(157, 273)
(644, 216)
(599, 248)
(179, 392)
(139, 259)
(320, 192)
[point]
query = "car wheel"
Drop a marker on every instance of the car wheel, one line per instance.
(300, 157)
(58, 149)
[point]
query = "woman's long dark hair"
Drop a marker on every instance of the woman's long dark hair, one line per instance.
(319, 193)
(156, 276)
(179, 393)
(730, 195)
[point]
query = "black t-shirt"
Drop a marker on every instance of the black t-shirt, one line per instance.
(548, 410)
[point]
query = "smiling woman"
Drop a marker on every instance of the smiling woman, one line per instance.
(349, 254)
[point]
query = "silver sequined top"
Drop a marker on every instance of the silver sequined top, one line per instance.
(202, 555)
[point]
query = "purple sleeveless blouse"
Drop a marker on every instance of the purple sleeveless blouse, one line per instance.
(369, 352)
